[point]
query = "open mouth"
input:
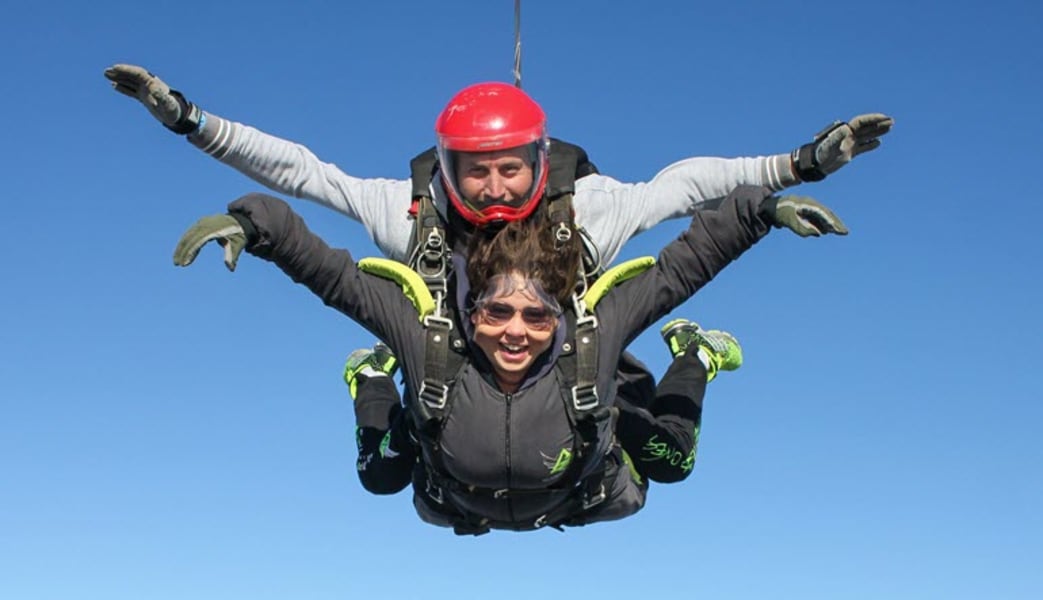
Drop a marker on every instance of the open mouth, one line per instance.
(514, 351)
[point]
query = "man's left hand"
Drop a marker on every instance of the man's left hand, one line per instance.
(837, 144)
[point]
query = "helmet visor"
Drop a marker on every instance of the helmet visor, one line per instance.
(503, 185)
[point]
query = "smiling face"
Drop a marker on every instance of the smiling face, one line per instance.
(487, 177)
(513, 328)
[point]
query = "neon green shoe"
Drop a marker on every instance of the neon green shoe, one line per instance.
(369, 362)
(719, 350)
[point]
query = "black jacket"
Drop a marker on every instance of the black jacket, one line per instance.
(493, 440)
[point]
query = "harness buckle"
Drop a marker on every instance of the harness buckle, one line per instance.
(540, 522)
(598, 498)
(500, 493)
(431, 263)
(441, 322)
(584, 397)
(433, 276)
(563, 233)
(433, 491)
(434, 394)
(586, 321)
(434, 243)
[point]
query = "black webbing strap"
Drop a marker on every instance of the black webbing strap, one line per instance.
(808, 167)
(434, 390)
(577, 367)
(568, 162)
(431, 260)
(421, 170)
(584, 391)
(587, 495)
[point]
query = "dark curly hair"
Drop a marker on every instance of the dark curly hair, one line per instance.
(531, 248)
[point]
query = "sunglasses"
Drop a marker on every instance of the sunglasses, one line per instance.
(539, 318)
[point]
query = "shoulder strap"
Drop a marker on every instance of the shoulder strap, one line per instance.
(421, 170)
(568, 162)
(582, 331)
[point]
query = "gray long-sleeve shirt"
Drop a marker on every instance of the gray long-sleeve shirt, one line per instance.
(611, 211)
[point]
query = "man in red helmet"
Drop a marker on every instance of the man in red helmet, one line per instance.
(611, 211)
(492, 152)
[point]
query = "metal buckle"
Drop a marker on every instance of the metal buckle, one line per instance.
(434, 395)
(597, 499)
(434, 491)
(586, 398)
(563, 233)
(434, 242)
(584, 320)
(445, 322)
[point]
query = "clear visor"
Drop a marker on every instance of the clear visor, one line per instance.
(504, 204)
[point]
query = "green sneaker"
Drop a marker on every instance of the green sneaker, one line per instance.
(679, 335)
(719, 350)
(369, 362)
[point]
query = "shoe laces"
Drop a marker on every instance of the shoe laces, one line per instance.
(713, 340)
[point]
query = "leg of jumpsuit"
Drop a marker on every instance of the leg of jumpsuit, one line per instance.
(660, 435)
(388, 456)
(386, 453)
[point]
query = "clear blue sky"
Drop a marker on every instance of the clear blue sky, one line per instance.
(183, 433)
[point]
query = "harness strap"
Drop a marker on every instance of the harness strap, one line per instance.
(431, 255)
(568, 162)
(434, 390)
(588, 494)
(422, 169)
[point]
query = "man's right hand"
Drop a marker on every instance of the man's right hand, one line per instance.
(168, 106)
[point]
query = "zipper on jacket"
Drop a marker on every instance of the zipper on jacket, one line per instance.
(507, 450)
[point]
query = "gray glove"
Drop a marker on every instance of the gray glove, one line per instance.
(168, 106)
(802, 215)
(837, 144)
(223, 228)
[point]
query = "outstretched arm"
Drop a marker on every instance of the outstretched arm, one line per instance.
(381, 205)
(613, 212)
(266, 227)
(713, 240)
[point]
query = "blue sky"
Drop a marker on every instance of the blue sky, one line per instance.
(183, 433)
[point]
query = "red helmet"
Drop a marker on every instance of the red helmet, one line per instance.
(488, 117)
